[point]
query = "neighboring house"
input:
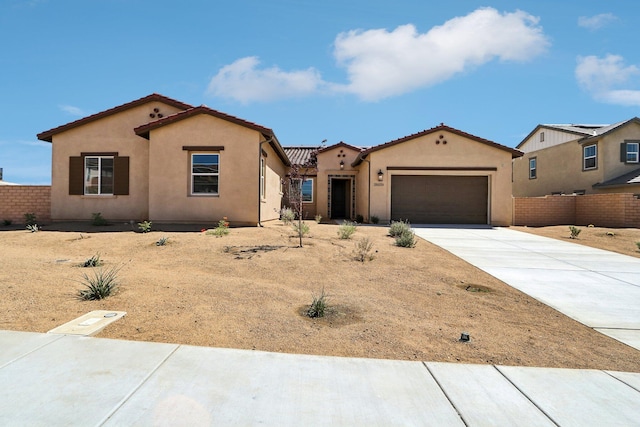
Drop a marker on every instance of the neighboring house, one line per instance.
(160, 159)
(579, 159)
(440, 175)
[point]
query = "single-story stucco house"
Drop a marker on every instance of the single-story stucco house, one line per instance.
(160, 159)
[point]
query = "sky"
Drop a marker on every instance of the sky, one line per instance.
(364, 71)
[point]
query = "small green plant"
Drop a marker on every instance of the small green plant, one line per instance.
(33, 228)
(374, 219)
(318, 218)
(575, 231)
(359, 219)
(406, 239)
(30, 218)
(94, 261)
(145, 226)
(638, 245)
(287, 215)
(364, 248)
(222, 229)
(301, 229)
(346, 229)
(100, 284)
(6, 221)
(397, 228)
(162, 241)
(318, 305)
(97, 219)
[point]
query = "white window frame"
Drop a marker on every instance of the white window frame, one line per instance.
(635, 153)
(87, 178)
(193, 174)
(263, 178)
(594, 157)
(533, 170)
(299, 186)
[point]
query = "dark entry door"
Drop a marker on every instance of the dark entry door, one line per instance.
(339, 198)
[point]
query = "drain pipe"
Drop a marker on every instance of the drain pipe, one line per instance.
(259, 180)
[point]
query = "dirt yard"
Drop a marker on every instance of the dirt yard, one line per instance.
(249, 290)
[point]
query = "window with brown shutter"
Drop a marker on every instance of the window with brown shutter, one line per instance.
(99, 174)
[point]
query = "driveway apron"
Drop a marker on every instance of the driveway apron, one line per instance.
(598, 288)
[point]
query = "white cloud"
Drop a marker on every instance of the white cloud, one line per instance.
(244, 82)
(605, 78)
(382, 64)
(74, 111)
(596, 22)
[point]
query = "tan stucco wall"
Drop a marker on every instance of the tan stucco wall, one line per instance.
(169, 172)
(276, 170)
(610, 150)
(110, 134)
(329, 166)
(457, 152)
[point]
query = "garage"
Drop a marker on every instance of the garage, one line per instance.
(440, 199)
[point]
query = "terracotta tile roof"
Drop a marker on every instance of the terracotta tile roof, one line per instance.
(442, 127)
(302, 155)
(48, 135)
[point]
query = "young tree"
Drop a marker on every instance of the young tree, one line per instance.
(297, 175)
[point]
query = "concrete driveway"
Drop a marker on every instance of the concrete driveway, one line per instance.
(598, 288)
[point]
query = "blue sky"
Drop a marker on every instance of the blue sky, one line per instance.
(364, 72)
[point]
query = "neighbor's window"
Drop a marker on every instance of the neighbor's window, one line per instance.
(541, 136)
(204, 173)
(590, 157)
(533, 168)
(306, 189)
(632, 152)
(263, 173)
(98, 175)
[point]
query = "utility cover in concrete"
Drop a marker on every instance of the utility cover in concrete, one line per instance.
(89, 324)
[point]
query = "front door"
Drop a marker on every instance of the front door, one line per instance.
(340, 199)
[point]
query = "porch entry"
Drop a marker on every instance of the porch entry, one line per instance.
(341, 197)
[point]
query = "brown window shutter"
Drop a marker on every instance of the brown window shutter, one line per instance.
(121, 176)
(76, 175)
(623, 152)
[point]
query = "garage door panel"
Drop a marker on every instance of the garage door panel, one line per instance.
(437, 199)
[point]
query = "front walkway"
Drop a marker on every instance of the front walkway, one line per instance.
(598, 288)
(65, 380)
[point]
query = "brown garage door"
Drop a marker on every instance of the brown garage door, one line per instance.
(439, 199)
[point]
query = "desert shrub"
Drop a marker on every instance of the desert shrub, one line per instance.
(574, 232)
(162, 241)
(94, 261)
(222, 229)
(145, 226)
(287, 215)
(30, 218)
(97, 219)
(318, 305)
(318, 218)
(363, 249)
(301, 229)
(6, 221)
(346, 229)
(397, 228)
(100, 284)
(374, 219)
(638, 245)
(33, 228)
(359, 219)
(406, 239)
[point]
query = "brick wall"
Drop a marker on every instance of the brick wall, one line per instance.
(17, 200)
(603, 210)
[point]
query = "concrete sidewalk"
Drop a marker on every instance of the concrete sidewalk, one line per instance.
(63, 380)
(598, 288)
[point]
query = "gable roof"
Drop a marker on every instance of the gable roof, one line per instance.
(48, 135)
(629, 178)
(608, 129)
(576, 129)
(441, 128)
(339, 144)
(302, 156)
(268, 133)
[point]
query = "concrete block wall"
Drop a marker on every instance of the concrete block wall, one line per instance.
(17, 200)
(602, 210)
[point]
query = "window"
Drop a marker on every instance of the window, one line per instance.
(533, 169)
(263, 173)
(204, 173)
(98, 175)
(307, 189)
(590, 157)
(632, 149)
(541, 136)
